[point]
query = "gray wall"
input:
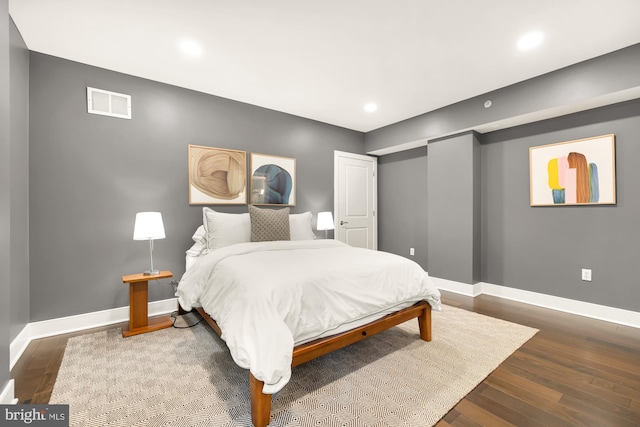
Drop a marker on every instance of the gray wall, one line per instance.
(539, 249)
(608, 74)
(402, 204)
(453, 208)
(543, 249)
(90, 174)
(5, 199)
(19, 170)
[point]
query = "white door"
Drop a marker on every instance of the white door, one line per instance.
(356, 199)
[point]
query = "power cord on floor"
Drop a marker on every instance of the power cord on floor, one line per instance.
(174, 317)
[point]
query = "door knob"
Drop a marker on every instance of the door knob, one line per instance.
(344, 222)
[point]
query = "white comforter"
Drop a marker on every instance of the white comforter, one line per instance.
(267, 296)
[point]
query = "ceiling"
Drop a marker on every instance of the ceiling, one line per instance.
(325, 60)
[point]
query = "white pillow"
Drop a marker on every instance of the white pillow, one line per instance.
(223, 229)
(200, 242)
(200, 236)
(300, 226)
(197, 249)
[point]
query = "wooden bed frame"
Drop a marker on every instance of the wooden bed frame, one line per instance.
(261, 403)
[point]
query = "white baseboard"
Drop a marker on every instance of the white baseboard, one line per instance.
(457, 287)
(63, 325)
(7, 396)
(79, 322)
(581, 308)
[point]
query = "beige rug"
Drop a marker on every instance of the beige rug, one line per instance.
(186, 377)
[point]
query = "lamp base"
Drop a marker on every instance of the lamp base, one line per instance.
(151, 272)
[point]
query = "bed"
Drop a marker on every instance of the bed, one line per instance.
(278, 297)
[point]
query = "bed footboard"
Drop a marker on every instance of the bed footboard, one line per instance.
(424, 322)
(311, 350)
(261, 403)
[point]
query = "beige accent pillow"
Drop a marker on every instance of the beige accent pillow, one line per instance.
(269, 224)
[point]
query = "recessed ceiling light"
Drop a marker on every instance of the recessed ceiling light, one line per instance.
(191, 48)
(530, 40)
(370, 107)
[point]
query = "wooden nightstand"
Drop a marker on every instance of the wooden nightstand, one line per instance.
(139, 322)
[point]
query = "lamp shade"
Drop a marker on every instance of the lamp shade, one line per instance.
(325, 221)
(148, 226)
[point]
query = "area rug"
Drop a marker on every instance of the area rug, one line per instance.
(186, 377)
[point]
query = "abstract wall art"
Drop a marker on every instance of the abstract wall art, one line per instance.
(273, 180)
(217, 176)
(580, 172)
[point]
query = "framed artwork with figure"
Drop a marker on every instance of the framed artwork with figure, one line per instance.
(273, 180)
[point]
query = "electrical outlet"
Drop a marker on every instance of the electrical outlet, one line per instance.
(586, 274)
(412, 251)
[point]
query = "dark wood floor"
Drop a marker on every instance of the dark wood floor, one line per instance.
(575, 372)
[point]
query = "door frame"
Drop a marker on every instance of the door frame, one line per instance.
(374, 187)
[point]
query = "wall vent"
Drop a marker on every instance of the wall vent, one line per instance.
(107, 103)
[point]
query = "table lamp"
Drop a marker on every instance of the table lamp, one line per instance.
(325, 222)
(149, 226)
